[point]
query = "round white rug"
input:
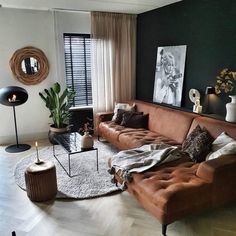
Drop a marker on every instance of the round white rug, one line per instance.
(89, 183)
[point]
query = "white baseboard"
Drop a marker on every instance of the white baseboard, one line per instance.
(6, 140)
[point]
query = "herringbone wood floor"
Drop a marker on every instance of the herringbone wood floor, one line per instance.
(114, 215)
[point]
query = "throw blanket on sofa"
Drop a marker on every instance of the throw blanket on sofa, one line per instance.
(141, 159)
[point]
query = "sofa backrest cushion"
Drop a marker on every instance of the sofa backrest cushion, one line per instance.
(171, 123)
(214, 127)
(147, 108)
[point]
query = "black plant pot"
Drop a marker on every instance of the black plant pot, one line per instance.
(55, 131)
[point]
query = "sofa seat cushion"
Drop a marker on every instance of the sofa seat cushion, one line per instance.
(169, 188)
(111, 131)
(137, 138)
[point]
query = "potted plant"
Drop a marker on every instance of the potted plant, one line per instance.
(225, 82)
(58, 102)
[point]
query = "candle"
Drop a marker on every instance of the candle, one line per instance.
(37, 152)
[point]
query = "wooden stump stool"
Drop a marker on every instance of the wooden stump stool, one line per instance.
(41, 181)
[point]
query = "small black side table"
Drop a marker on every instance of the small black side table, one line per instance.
(71, 144)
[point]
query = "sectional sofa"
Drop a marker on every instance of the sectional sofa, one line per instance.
(182, 187)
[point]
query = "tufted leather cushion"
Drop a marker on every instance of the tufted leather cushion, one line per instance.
(126, 138)
(136, 138)
(165, 190)
(111, 131)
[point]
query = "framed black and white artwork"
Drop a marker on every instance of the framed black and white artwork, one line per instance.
(169, 75)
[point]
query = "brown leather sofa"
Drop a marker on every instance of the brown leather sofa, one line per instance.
(179, 188)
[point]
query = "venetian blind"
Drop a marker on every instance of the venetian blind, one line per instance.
(78, 67)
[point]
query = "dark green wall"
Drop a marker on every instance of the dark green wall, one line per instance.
(207, 27)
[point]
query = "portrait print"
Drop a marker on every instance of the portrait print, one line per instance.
(169, 75)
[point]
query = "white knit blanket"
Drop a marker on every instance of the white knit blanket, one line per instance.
(141, 159)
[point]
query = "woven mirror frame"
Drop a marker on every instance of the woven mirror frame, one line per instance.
(26, 53)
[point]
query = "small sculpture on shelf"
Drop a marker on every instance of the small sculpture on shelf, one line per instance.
(197, 108)
(194, 97)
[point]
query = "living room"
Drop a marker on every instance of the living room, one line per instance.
(205, 27)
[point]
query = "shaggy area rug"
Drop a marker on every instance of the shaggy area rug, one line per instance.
(88, 184)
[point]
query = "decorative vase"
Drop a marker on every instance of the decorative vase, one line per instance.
(231, 110)
(86, 141)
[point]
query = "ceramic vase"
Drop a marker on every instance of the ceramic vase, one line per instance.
(231, 110)
(86, 141)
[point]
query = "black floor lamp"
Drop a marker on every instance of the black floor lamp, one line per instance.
(14, 96)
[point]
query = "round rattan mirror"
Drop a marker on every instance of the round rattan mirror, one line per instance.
(29, 65)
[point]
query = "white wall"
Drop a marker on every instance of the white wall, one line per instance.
(68, 22)
(20, 28)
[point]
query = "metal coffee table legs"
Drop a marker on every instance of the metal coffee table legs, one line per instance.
(68, 172)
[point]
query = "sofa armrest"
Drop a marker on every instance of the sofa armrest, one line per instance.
(212, 169)
(104, 116)
(101, 117)
(221, 174)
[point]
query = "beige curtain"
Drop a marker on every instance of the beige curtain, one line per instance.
(113, 59)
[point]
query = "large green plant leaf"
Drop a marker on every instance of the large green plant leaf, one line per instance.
(56, 88)
(58, 103)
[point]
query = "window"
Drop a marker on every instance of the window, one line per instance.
(78, 67)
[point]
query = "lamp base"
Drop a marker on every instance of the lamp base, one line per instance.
(17, 148)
